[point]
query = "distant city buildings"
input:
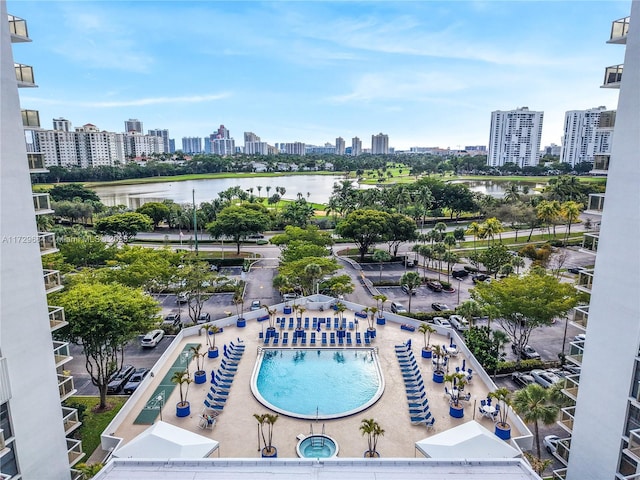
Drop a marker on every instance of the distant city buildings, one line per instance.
(356, 146)
(515, 137)
(340, 146)
(192, 145)
(552, 149)
(164, 134)
(327, 149)
(253, 145)
(480, 149)
(133, 125)
(295, 148)
(380, 144)
(221, 142)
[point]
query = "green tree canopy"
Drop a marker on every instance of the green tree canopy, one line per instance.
(298, 275)
(239, 221)
(124, 226)
(365, 228)
(71, 191)
(400, 228)
(157, 211)
(148, 268)
(311, 234)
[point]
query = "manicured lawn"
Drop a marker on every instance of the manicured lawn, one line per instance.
(93, 424)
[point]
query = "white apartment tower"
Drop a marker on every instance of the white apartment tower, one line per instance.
(380, 144)
(356, 147)
(192, 144)
(604, 423)
(132, 125)
(138, 145)
(340, 146)
(61, 125)
(515, 137)
(32, 383)
(164, 134)
(579, 138)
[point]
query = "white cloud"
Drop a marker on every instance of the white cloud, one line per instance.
(133, 102)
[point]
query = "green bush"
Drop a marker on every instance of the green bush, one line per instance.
(427, 316)
(525, 365)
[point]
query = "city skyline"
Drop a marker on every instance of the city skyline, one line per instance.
(424, 73)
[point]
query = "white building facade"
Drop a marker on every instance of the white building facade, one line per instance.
(380, 144)
(515, 137)
(579, 137)
(356, 147)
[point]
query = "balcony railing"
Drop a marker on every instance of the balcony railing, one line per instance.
(596, 203)
(24, 75)
(560, 474)
(576, 351)
(585, 280)
(581, 316)
(18, 28)
(571, 385)
(41, 203)
(613, 76)
(562, 452)
(47, 242)
(600, 164)
(65, 387)
(52, 281)
(619, 30)
(590, 243)
(36, 163)
(56, 318)
(70, 419)
(566, 418)
(30, 118)
(76, 474)
(74, 450)
(61, 353)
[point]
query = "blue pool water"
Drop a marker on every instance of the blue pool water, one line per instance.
(317, 446)
(324, 383)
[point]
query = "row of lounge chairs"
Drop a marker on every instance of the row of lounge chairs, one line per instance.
(417, 401)
(313, 323)
(317, 338)
(222, 379)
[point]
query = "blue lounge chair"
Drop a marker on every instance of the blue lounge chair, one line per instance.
(212, 397)
(340, 340)
(328, 324)
(349, 340)
(358, 339)
(290, 323)
(229, 366)
(276, 339)
(324, 338)
(212, 406)
(313, 338)
(294, 339)
(336, 323)
(303, 339)
(420, 419)
(367, 341)
(306, 323)
(225, 374)
(285, 338)
(234, 346)
(333, 339)
(351, 326)
(266, 340)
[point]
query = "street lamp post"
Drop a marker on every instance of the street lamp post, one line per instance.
(161, 400)
(459, 283)
(195, 218)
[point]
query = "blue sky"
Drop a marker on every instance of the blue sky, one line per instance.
(425, 73)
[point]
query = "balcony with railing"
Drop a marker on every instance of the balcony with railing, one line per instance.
(590, 243)
(74, 450)
(571, 384)
(52, 281)
(600, 165)
(70, 420)
(18, 29)
(567, 415)
(47, 242)
(61, 353)
(31, 118)
(585, 280)
(581, 316)
(65, 387)
(77, 474)
(576, 351)
(619, 30)
(24, 75)
(612, 76)
(562, 452)
(595, 204)
(56, 318)
(42, 204)
(36, 163)
(560, 474)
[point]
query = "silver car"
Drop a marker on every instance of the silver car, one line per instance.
(459, 323)
(544, 378)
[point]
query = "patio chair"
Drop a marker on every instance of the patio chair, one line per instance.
(215, 399)
(290, 323)
(221, 387)
(222, 372)
(351, 326)
(430, 423)
(349, 340)
(340, 340)
(420, 419)
(218, 392)
(332, 339)
(276, 339)
(234, 346)
(358, 338)
(303, 339)
(285, 338)
(324, 338)
(306, 323)
(212, 406)
(294, 339)
(367, 340)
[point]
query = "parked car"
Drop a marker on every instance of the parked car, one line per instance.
(213, 268)
(460, 274)
(182, 298)
(522, 378)
(459, 323)
(575, 270)
(527, 353)
(397, 308)
(256, 236)
(119, 379)
(550, 443)
(434, 285)
(441, 322)
(204, 317)
(440, 307)
(255, 305)
(406, 289)
(409, 262)
(481, 277)
(135, 380)
(152, 338)
(545, 378)
(290, 296)
(172, 318)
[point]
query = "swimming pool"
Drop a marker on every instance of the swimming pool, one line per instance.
(317, 383)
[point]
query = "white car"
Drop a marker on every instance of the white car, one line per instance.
(550, 442)
(545, 378)
(581, 337)
(441, 321)
(151, 339)
(255, 305)
(459, 323)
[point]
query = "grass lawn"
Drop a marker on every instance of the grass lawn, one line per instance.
(93, 424)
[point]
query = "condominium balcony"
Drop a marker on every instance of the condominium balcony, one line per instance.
(585, 280)
(576, 351)
(564, 446)
(74, 450)
(36, 163)
(590, 243)
(42, 204)
(61, 353)
(18, 29)
(56, 318)
(567, 415)
(52, 281)
(596, 204)
(47, 242)
(581, 316)
(560, 474)
(571, 385)
(77, 474)
(600, 165)
(30, 118)
(24, 75)
(70, 419)
(65, 387)
(619, 30)
(612, 76)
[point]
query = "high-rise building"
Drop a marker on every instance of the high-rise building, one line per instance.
(340, 146)
(380, 144)
(33, 424)
(164, 134)
(221, 142)
(356, 146)
(192, 144)
(603, 418)
(172, 145)
(137, 145)
(579, 138)
(295, 148)
(515, 137)
(132, 125)
(604, 140)
(61, 125)
(253, 145)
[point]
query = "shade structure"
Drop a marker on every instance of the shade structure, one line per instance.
(163, 440)
(469, 440)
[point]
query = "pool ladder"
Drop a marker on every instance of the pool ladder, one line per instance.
(317, 440)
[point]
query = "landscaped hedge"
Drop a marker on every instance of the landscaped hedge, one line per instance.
(426, 316)
(525, 365)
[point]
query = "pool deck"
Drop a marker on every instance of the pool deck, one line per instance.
(236, 429)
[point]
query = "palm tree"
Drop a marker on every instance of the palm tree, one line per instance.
(198, 356)
(211, 331)
(259, 187)
(503, 397)
(372, 430)
(511, 192)
(491, 227)
(438, 251)
(476, 230)
(380, 299)
(469, 309)
(180, 378)
(412, 280)
(518, 263)
(536, 404)
(269, 420)
(548, 212)
(381, 256)
(426, 330)
(571, 212)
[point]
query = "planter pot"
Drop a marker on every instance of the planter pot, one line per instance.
(200, 377)
(456, 411)
(370, 454)
(503, 431)
(381, 321)
(183, 410)
(271, 332)
(241, 323)
(438, 376)
(427, 353)
(372, 332)
(287, 310)
(213, 353)
(270, 454)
